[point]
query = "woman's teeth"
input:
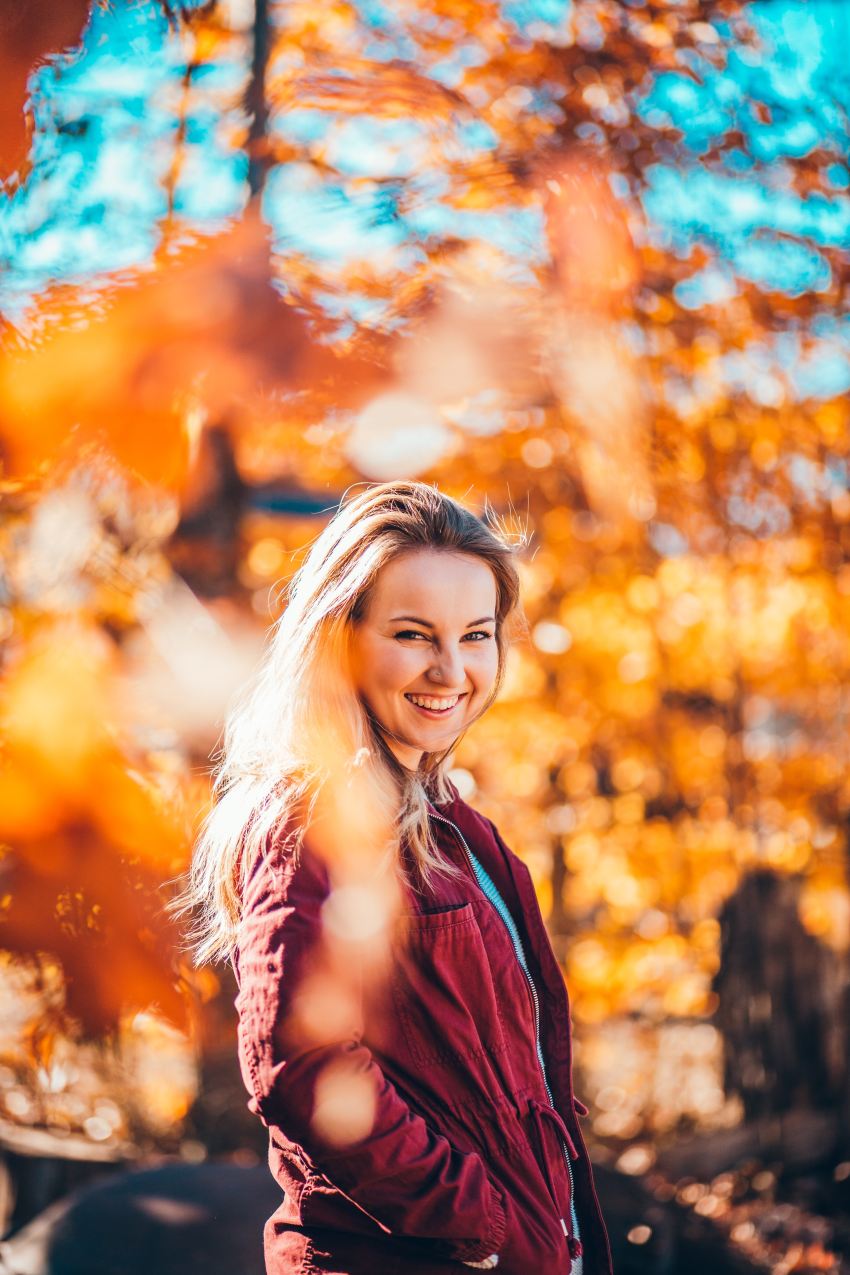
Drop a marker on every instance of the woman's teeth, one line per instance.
(435, 705)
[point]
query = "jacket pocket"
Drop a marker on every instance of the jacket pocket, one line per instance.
(442, 988)
(535, 1240)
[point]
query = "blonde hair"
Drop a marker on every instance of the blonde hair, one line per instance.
(273, 761)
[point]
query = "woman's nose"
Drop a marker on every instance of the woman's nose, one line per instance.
(447, 667)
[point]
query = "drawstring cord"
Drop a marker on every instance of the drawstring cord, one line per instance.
(538, 1111)
(542, 1109)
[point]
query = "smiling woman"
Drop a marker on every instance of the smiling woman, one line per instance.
(376, 922)
(425, 683)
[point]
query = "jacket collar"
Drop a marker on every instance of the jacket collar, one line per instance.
(513, 880)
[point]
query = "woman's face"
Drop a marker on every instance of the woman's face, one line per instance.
(424, 653)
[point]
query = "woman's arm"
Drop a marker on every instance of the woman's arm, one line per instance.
(406, 1176)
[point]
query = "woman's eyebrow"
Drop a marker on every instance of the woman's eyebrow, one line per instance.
(426, 624)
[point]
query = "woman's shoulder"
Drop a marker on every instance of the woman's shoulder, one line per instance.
(284, 849)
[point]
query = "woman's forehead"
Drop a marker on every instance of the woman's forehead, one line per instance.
(422, 582)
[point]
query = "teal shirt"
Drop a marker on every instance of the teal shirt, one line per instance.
(489, 887)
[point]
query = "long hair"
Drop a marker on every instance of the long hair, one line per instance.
(301, 714)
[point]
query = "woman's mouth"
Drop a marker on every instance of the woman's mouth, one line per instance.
(434, 705)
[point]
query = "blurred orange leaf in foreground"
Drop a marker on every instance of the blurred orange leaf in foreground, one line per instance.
(203, 331)
(68, 800)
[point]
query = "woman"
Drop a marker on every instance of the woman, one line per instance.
(404, 1030)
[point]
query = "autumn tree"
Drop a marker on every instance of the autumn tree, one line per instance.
(490, 245)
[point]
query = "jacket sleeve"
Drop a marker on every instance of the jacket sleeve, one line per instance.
(404, 1174)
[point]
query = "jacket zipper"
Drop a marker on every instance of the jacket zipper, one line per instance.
(534, 1000)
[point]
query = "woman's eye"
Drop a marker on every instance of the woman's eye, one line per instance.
(414, 633)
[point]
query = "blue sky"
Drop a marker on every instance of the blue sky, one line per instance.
(105, 140)
(749, 209)
(763, 230)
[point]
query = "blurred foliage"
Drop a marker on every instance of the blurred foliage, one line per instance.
(509, 322)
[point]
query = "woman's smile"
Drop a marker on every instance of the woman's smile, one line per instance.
(433, 705)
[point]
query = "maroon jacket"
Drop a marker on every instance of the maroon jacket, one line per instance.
(465, 1157)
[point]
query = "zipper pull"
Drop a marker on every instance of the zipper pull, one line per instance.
(575, 1246)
